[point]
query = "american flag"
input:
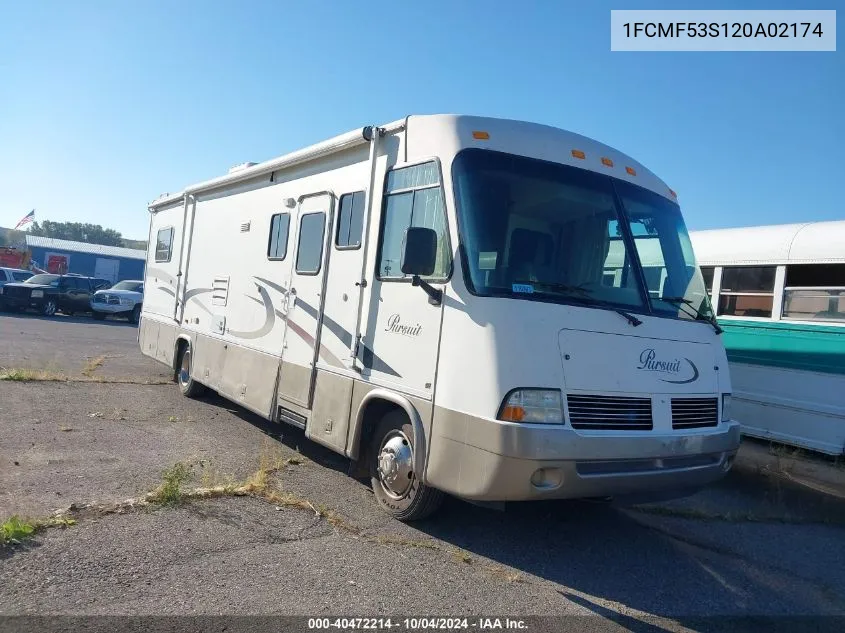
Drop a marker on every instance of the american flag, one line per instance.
(29, 217)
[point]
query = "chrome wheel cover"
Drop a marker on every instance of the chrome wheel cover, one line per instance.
(396, 465)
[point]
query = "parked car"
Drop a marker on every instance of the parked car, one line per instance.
(123, 299)
(12, 275)
(49, 294)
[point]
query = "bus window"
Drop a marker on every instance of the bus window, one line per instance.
(747, 291)
(815, 292)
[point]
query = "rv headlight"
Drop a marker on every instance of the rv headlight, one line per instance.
(532, 406)
(726, 406)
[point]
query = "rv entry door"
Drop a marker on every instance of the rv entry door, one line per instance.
(306, 298)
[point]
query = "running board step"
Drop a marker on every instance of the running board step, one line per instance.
(292, 418)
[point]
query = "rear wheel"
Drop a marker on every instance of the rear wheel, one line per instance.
(49, 308)
(189, 387)
(396, 486)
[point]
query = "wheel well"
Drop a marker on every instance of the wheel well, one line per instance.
(374, 412)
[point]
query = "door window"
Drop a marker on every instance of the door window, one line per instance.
(309, 252)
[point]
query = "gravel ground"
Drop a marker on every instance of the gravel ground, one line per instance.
(85, 442)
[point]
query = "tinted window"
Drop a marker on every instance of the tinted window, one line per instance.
(748, 279)
(21, 276)
(413, 198)
(707, 274)
(42, 280)
(309, 252)
(279, 225)
(815, 276)
(69, 283)
(747, 291)
(164, 244)
(350, 220)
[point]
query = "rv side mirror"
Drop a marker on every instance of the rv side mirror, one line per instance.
(419, 256)
(419, 251)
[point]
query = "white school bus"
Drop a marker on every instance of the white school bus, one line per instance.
(458, 305)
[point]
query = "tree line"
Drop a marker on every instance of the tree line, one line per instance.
(83, 232)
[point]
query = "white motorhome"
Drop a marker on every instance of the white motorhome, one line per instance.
(457, 304)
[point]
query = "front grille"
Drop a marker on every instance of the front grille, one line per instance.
(99, 299)
(16, 291)
(609, 413)
(115, 301)
(694, 413)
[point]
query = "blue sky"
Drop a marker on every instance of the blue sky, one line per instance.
(106, 104)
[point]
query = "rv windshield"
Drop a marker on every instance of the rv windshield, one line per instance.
(537, 230)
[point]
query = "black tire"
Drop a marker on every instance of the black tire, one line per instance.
(49, 308)
(135, 317)
(399, 492)
(189, 387)
(100, 316)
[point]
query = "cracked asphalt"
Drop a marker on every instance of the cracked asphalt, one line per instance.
(66, 443)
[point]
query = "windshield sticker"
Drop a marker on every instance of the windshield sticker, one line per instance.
(487, 260)
(523, 288)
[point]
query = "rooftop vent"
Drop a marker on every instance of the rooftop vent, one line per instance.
(241, 167)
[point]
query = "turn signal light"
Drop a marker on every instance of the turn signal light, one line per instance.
(631, 171)
(577, 153)
(481, 135)
(607, 162)
(512, 413)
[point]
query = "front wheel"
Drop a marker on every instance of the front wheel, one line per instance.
(395, 484)
(49, 308)
(189, 387)
(136, 315)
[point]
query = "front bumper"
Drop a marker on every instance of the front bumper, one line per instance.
(111, 308)
(22, 303)
(488, 460)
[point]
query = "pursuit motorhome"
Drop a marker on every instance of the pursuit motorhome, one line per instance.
(458, 305)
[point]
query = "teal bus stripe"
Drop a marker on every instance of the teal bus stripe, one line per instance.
(787, 345)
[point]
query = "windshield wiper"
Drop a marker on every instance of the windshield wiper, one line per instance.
(585, 297)
(695, 314)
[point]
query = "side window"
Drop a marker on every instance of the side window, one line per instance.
(164, 244)
(69, 283)
(278, 246)
(707, 274)
(747, 291)
(815, 292)
(350, 220)
(413, 197)
(21, 276)
(309, 252)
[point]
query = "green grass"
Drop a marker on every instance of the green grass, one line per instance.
(169, 492)
(16, 530)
